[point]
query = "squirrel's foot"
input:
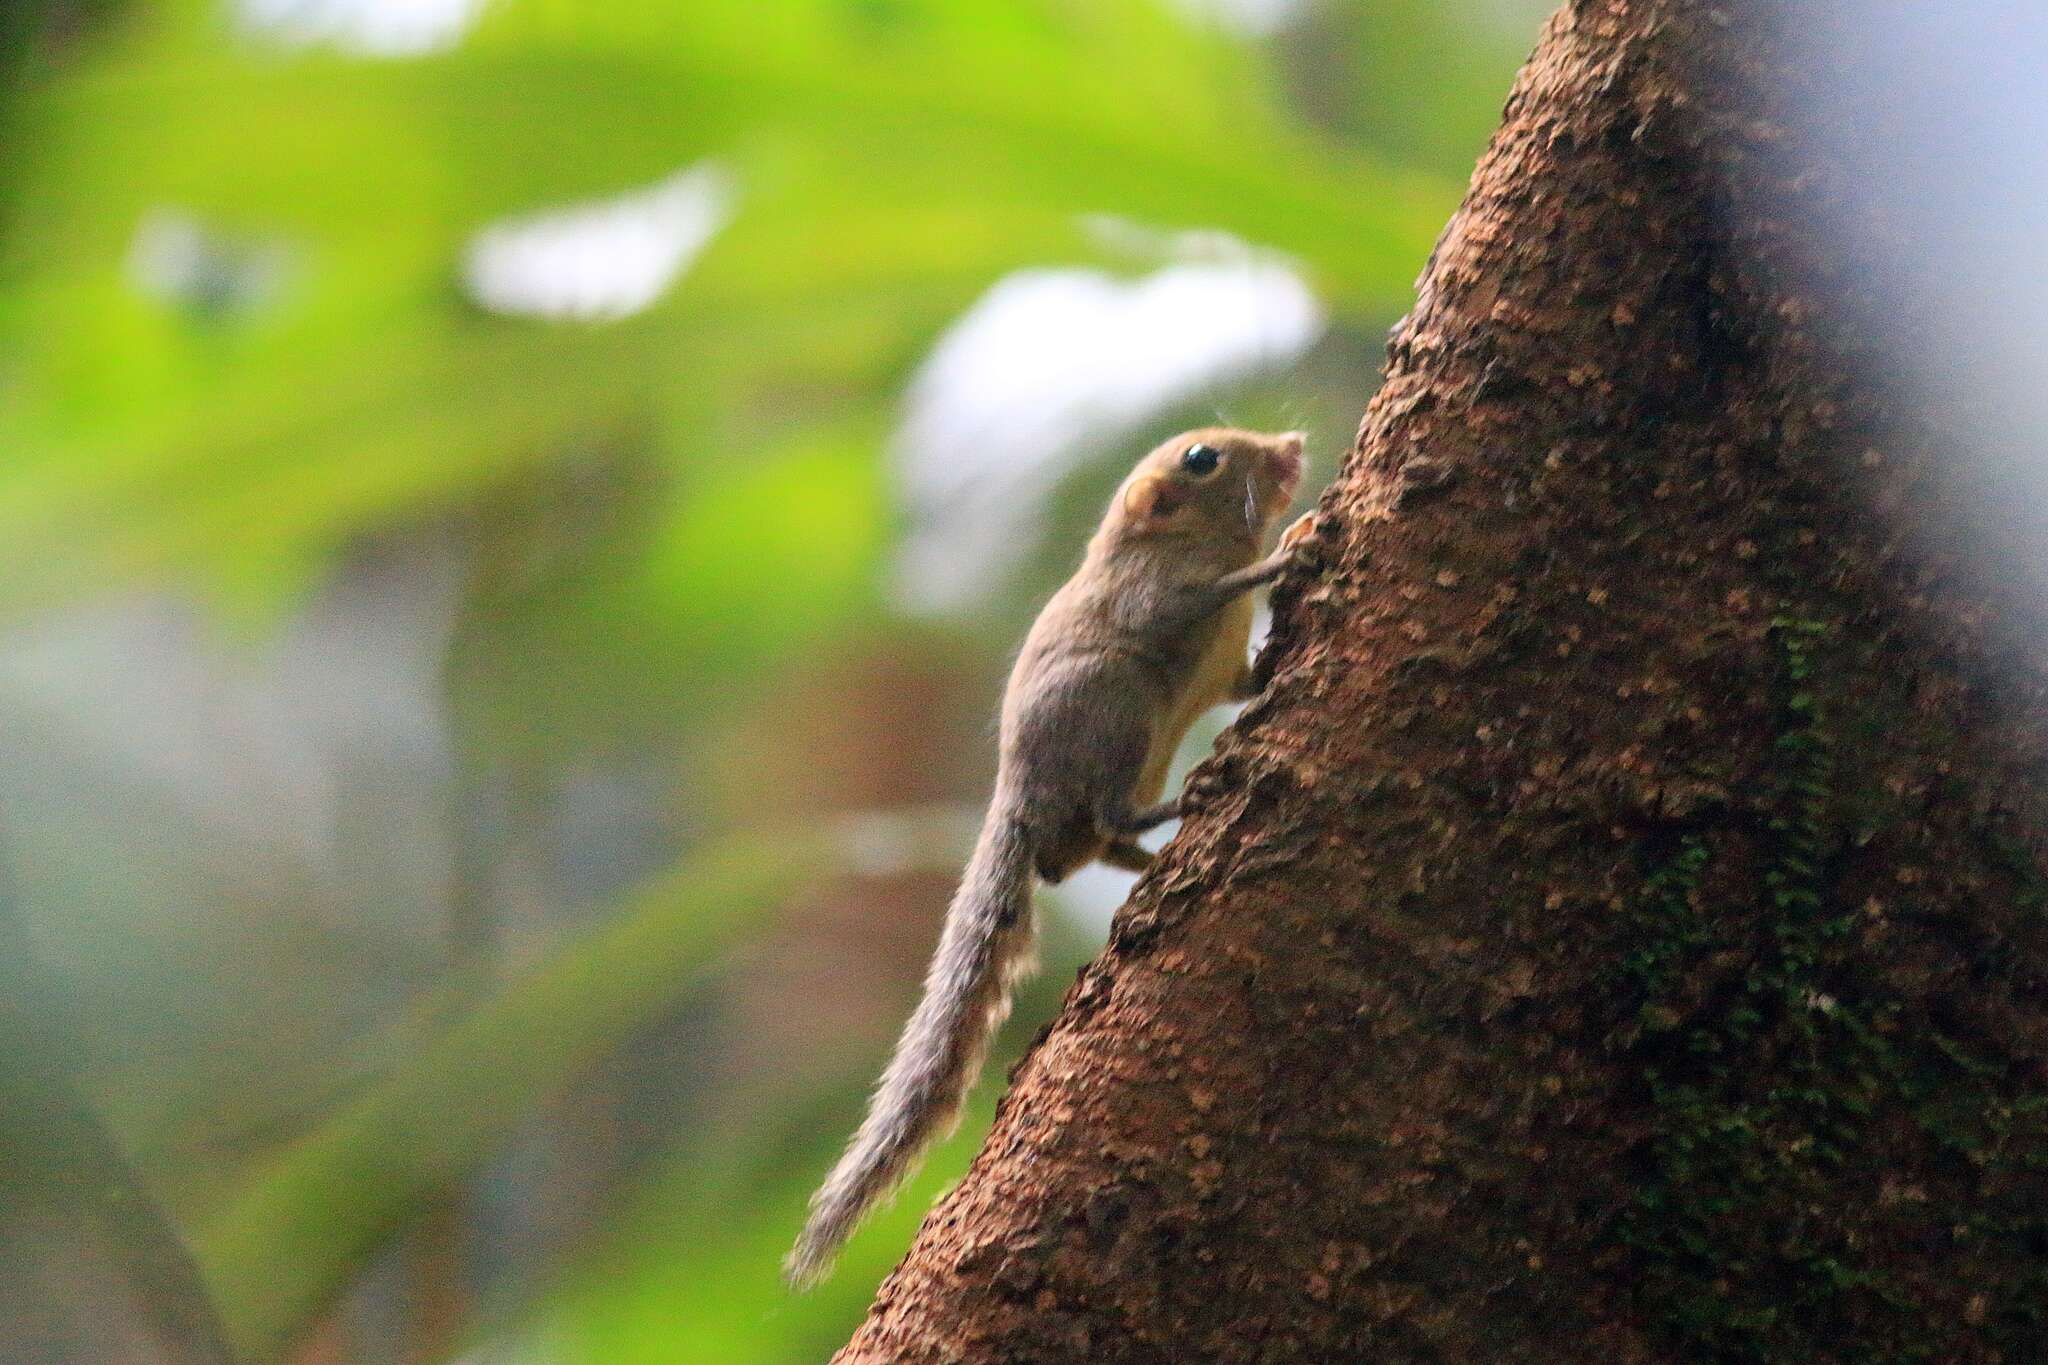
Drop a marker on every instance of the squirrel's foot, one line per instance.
(1127, 854)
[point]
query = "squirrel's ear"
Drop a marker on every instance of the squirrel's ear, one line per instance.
(1151, 498)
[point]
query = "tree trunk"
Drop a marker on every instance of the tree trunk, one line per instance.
(1617, 933)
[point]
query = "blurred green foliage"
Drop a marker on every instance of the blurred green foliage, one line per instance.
(893, 159)
(664, 530)
(279, 1252)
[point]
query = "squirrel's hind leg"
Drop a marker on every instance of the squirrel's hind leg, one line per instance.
(1127, 821)
(1126, 854)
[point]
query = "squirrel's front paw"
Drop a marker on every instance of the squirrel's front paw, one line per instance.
(1303, 541)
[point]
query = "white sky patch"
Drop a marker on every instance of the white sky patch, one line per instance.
(1253, 18)
(600, 261)
(376, 28)
(1047, 365)
(1093, 894)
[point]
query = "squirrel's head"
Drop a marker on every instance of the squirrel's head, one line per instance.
(1216, 481)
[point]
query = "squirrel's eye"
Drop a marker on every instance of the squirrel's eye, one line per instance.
(1200, 460)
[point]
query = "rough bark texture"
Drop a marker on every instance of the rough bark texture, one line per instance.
(1618, 932)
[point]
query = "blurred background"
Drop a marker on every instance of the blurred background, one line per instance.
(513, 516)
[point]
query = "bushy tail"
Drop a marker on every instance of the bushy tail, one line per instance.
(984, 947)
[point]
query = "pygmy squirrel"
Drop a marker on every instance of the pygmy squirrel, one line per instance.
(1149, 633)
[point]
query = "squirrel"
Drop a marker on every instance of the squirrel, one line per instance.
(1150, 632)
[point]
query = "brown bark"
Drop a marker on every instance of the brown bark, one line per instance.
(1617, 933)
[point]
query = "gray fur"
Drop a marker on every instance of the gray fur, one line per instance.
(986, 941)
(1115, 668)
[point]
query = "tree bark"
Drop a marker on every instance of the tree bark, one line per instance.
(1617, 932)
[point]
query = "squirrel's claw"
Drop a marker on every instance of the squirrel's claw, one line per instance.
(1304, 528)
(1303, 541)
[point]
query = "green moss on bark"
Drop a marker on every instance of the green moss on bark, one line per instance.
(1780, 1095)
